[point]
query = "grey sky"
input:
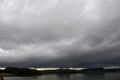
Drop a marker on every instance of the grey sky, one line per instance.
(59, 32)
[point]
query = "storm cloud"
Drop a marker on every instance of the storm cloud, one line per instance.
(59, 33)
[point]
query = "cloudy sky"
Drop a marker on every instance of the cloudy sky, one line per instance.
(59, 33)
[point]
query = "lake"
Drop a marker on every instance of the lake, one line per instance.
(106, 76)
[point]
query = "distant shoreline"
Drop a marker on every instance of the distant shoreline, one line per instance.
(15, 71)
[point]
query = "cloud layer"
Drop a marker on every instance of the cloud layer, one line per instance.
(59, 33)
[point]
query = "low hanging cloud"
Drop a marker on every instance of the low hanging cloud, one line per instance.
(59, 33)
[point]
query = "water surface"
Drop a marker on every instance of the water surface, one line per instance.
(107, 76)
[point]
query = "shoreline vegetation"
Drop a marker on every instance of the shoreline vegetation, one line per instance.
(15, 71)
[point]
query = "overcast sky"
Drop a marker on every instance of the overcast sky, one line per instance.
(59, 33)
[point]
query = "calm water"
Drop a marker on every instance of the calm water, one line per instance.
(108, 76)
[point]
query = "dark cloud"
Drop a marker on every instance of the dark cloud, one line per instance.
(59, 33)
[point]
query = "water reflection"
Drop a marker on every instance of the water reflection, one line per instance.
(108, 76)
(72, 77)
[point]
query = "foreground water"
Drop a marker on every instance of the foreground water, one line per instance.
(107, 76)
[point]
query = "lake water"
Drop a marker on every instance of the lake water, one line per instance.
(107, 76)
